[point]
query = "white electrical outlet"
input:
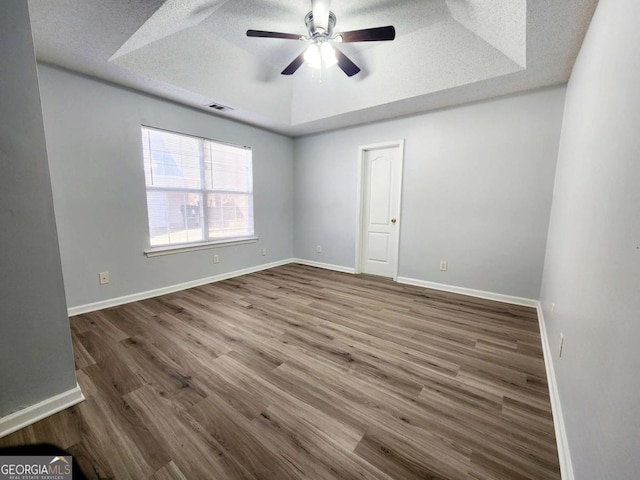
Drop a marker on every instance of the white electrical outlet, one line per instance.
(318, 249)
(216, 259)
(263, 251)
(103, 278)
(443, 265)
(561, 344)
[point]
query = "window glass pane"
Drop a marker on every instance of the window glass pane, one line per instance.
(171, 160)
(174, 217)
(227, 168)
(229, 215)
(197, 189)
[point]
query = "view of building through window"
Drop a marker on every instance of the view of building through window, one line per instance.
(198, 190)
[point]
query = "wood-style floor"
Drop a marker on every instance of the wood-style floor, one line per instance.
(298, 372)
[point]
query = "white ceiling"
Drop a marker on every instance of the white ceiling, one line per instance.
(446, 52)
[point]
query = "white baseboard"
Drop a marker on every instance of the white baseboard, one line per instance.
(34, 413)
(525, 302)
(114, 302)
(562, 442)
(326, 266)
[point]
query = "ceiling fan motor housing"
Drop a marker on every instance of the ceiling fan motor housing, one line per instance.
(316, 32)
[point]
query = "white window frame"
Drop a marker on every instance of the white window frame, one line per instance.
(173, 248)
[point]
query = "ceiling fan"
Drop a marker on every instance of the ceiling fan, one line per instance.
(321, 39)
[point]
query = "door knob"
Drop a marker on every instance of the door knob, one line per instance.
(393, 220)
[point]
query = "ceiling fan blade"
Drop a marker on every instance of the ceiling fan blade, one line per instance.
(369, 35)
(346, 65)
(263, 33)
(320, 9)
(293, 66)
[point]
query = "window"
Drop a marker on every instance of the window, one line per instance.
(198, 190)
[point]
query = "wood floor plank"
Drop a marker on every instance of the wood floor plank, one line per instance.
(110, 367)
(91, 459)
(120, 436)
(170, 471)
(309, 449)
(399, 456)
(236, 434)
(297, 372)
(81, 356)
(197, 454)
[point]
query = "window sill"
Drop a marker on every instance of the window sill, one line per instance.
(172, 249)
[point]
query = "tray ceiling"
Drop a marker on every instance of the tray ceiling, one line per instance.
(195, 52)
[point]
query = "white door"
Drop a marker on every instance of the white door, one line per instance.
(380, 211)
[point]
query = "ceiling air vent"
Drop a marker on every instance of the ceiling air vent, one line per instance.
(219, 107)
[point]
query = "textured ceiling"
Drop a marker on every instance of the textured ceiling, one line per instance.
(446, 52)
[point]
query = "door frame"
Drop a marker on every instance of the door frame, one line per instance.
(362, 150)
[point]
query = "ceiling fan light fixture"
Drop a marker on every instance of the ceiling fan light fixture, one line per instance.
(320, 54)
(328, 54)
(312, 56)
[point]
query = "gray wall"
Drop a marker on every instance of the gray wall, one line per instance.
(95, 152)
(592, 267)
(36, 357)
(477, 192)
